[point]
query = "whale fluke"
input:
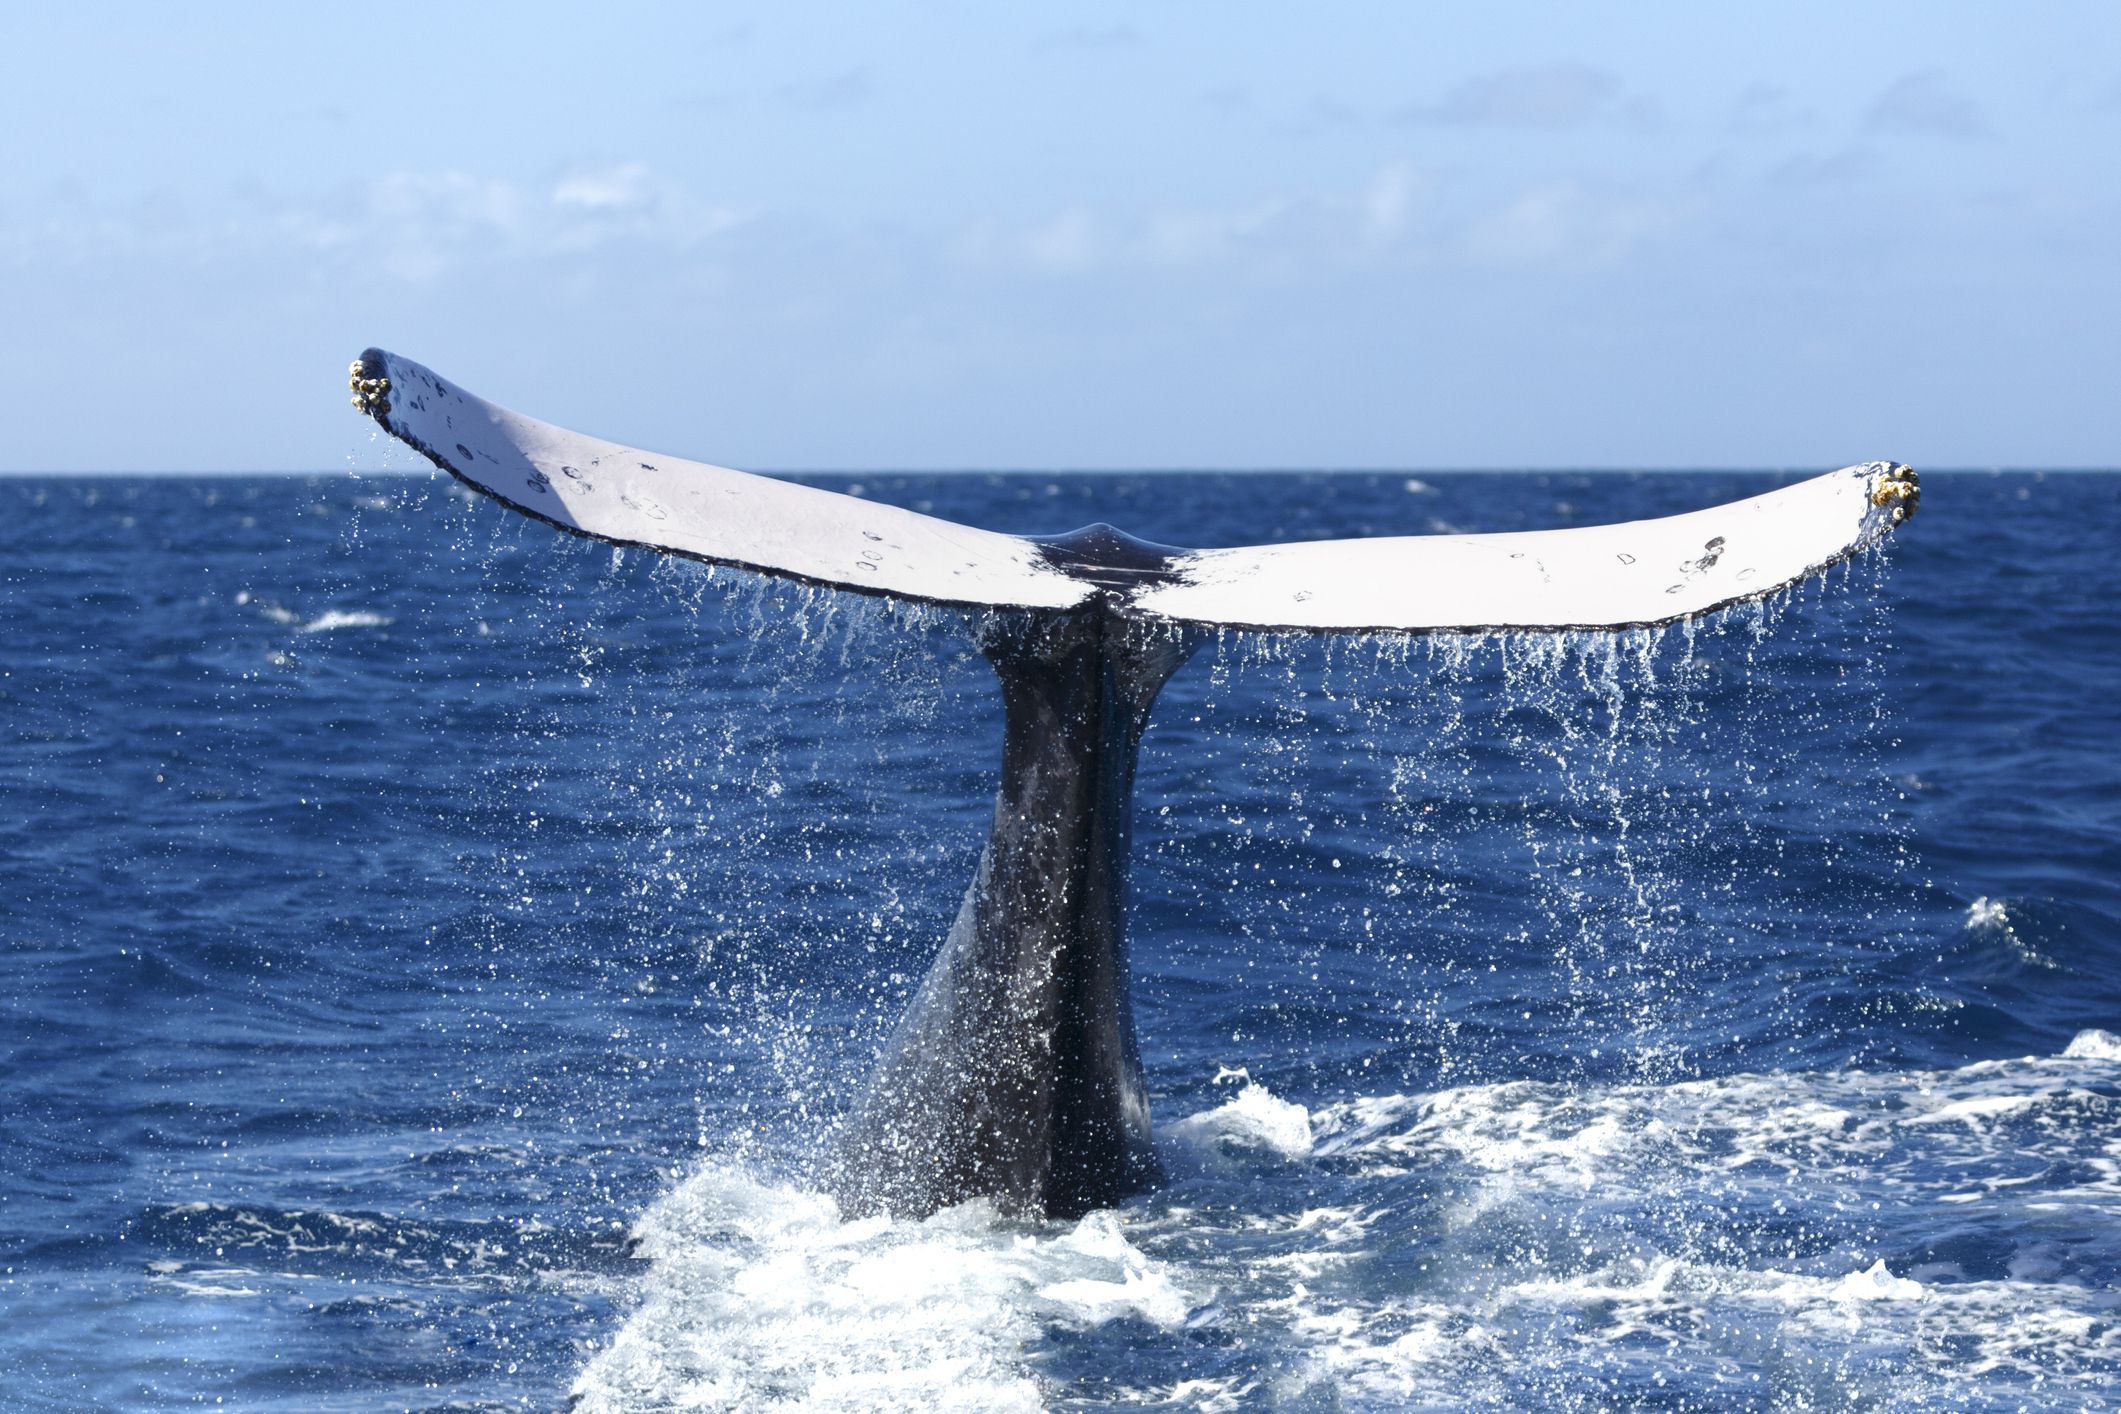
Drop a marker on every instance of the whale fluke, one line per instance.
(1015, 1073)
(1634, 575)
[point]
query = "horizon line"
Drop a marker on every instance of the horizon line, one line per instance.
(25, 473)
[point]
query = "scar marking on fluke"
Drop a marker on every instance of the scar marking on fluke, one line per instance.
(1708, 561)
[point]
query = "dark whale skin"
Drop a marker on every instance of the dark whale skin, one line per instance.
(1015, 1075)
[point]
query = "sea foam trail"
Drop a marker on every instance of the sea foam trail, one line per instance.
(763, 1297)
(1488, 1246)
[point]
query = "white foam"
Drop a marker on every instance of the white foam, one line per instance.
(1254, 1118)
(1556, 1174)
(1986, 912)
(2094, 1045)
(208, 1283)
(760, 1295)
(1876, 1283)
(1977, 1108)
(325, 622)
(1206, 1396)
(345, 618)
(1150, 1295)
(1485, 1246)
(1987, 915)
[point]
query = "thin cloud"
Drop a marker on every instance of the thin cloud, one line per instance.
(1559, 96)
(410, 225)
(1322, 115)
(1566, 225)
(1192, 237)
(418, 222)
(1077, 241)
(1390, 201)
(618, 188)
(849, 89)
(1925, 104)
(1764, 110)
(1070, 241)
(1848, 167)
(1402, 213)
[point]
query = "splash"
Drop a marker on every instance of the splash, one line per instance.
(761, 1297)
(1340, 810)
(1494, 1246)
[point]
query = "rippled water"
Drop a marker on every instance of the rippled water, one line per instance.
(433, 948)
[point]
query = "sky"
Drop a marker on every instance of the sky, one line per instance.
(931, 235)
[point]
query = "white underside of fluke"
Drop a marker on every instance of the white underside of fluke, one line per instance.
(1597, 577)
(631, 497)
(1603, 576)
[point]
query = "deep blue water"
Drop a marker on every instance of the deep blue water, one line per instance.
(432, 946)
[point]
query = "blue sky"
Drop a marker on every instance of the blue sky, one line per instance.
(1182, 234)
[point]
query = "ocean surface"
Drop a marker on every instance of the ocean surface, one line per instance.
(432, 950)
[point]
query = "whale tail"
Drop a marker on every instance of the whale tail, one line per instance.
(1635, 575)
(1015, 1073)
